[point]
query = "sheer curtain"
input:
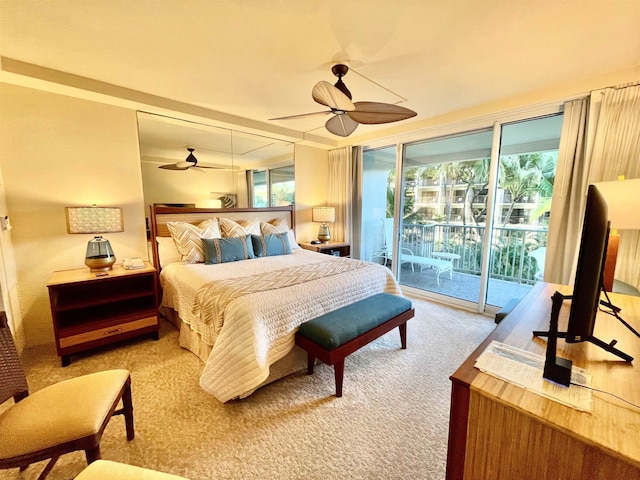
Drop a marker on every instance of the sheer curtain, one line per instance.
(616, 152)
(340, 192)
(599, 142)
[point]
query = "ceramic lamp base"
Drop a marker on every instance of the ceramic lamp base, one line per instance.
(323, 234)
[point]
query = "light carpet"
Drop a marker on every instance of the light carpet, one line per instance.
(391, 422)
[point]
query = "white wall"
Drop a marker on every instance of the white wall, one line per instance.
(60, 151)
(312, 171)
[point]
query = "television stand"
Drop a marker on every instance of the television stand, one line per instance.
(557, 299)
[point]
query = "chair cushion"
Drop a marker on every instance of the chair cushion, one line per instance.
(104, 469)
(66, 411)
(338, 327)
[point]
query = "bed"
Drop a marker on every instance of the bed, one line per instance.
(239, 311)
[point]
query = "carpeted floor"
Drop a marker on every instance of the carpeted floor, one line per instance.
(391, 422)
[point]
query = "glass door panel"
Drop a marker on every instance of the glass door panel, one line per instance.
(526, 172)
(444, 202)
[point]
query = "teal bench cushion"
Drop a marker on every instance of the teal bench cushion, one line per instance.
(338, 327)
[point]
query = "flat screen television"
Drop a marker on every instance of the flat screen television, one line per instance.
(588, 282)
(588, 285)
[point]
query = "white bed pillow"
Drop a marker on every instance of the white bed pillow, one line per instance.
(188, 238)
(167, 251)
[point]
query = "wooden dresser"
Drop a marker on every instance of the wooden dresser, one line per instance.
(501, 431)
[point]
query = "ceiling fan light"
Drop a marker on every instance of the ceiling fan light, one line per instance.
(341, 125)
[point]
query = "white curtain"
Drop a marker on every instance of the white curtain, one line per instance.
(599, 142)
(242, 195)
(340, 192)
(568, 201)
(616, 152)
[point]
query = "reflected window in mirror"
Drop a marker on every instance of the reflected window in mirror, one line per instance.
(273, 187)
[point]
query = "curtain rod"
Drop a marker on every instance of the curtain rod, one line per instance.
(624, 85)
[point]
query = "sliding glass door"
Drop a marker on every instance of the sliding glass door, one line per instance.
(469, 223)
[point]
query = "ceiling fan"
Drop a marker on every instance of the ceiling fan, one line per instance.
(189, 163)
(347, 115)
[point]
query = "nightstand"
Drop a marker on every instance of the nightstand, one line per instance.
(339, 249)
(90, 311)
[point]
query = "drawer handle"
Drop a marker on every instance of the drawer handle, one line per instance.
(111, 332)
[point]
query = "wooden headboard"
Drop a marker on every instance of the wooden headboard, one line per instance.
(160, 216)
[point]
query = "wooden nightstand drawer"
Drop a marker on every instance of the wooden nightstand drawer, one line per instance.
(105, 332)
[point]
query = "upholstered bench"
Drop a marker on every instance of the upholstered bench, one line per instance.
(106, 469)
(335, 335)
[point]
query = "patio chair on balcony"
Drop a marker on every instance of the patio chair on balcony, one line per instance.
(407, 256)
(539, 255)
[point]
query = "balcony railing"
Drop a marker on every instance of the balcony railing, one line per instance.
(510, 247)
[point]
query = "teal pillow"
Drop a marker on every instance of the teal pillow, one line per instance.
(270, 245)
(222, 250)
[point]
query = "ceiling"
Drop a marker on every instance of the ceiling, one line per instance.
(256, 59)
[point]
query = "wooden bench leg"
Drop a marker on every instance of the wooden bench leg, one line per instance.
(403, 335)
(338, 372)
(311, 361)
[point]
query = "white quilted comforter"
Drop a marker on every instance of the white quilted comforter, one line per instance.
(251, 322)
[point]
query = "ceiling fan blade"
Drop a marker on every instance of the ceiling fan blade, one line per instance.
(312, 114)
(375, 112)
(173, 166)
(341, 125)
(196, 169)
(326, 94)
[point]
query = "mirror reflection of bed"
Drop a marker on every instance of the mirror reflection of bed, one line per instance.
(237, 314)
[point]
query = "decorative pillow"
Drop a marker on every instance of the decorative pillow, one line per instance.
(270, 245)
(241, 228)
(278, 225)
(167, 251)
(292, 241)
(188, 238)
(222, 250)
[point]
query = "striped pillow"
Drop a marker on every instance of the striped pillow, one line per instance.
(274, 227)
(188, 238)
(241, 228)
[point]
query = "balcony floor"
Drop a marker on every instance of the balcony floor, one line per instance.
(463, 285)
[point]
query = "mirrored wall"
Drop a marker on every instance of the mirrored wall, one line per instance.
(225, 168)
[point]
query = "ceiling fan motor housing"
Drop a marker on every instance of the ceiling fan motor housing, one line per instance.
(340, 70)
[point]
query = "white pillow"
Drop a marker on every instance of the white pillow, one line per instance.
(292, 240)
(167, 251)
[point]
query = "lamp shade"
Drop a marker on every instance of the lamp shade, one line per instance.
(323, 214)
(94, 219)
(623, 198)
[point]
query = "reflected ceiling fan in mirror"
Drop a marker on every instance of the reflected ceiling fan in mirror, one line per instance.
(189, 163)
(347, 115)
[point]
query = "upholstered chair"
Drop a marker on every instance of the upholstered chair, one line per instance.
(67, 416)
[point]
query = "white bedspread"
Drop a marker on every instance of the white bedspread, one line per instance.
(251, 330)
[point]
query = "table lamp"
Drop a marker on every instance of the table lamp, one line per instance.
(323, 215)
(623, 197)
(94, 219)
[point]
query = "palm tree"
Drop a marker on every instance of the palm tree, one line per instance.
(519, 175)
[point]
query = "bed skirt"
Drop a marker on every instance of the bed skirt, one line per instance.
(295, 361)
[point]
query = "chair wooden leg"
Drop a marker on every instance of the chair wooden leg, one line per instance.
(92, 454)
(403, 335)
(48, 468)
(338, 372)
(127, 407)
(311, 361)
